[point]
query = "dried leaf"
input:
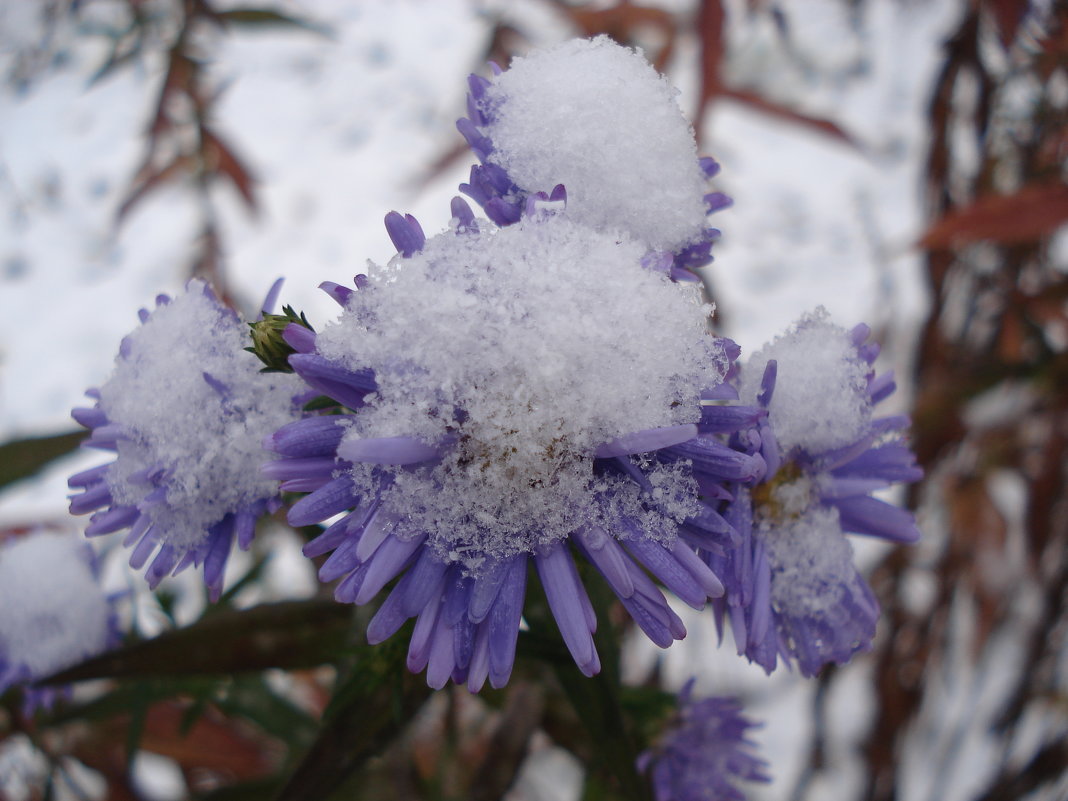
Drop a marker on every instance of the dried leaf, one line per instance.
(790, 115)
(1035, 211)
(212, 742)
(623, 22)
(710, 25)
(269, 18)
(1008, 14)
(148, 180)
(219, 158)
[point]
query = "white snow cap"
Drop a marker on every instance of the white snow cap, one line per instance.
(811, 561)
(820, 400)
(192, 401)
(596, 117)
(53, 613)
(549, 338)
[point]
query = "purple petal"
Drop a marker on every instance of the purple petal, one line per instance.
(333, 497)
(92, 499)
(307, 467)
(111, 520)
(312, 436)
(346, 386)
(567, 600)
(89, 418)
(405, 232)
(339, 293)
(660, 563)
(387, 450)
(299, 337)
(608, 557)
(726, 419)
(651, 439)
(87, 478)
(390, 558)
(503, 621)
(877, 518)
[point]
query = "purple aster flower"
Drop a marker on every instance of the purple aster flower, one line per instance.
(705, 753)
(185, 412)
(513, 397)
(792, 588)
(557, 118)
(53, 612)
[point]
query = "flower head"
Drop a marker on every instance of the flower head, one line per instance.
(513, 395)
(53, 612)
(596, 118)
(184, 411)
(705, 753)
(792, 588)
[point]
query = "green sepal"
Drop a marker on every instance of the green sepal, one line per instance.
(267, 341)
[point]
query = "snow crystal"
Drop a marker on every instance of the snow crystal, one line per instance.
(820, 400)
(53, 613)
(596, 117)
(523, 348)
(193, 403)
(811, 562)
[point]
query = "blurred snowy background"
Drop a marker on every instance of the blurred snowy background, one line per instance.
(140, 145)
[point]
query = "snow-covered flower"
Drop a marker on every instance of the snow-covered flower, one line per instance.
(53, 611)
(793, 590)
(513, 395)
(185, 412)
(596, 118)
(705, 754)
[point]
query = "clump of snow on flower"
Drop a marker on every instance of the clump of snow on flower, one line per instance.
(520, 350)
(820, 400)
(811, 559)
(191, 402)
(53, 613)
(596, 117)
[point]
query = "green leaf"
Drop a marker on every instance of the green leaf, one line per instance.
(369, 708)
(252, 698)
(255, 790)
(125, 698)
(289, 635)
(268, 18)
(22, 458)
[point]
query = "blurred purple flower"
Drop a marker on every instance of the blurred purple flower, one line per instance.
(705, 754)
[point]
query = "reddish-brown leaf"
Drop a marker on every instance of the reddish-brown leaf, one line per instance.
(212, 742)
(149, 179)
(622, 22)
(1032, 213)
(1007, 17)
(711, 20)
(790, 115)
(219, 159)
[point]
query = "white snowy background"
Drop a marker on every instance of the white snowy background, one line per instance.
(341, 128)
